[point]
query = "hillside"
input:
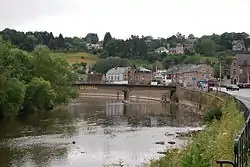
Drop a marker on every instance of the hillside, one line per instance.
(79, 57)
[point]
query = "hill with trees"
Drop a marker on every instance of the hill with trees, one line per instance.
(136, 50)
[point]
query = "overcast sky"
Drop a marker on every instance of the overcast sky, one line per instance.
(159, 18)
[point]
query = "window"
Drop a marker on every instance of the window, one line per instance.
(245, 62)
(117, 77)
(234, 72)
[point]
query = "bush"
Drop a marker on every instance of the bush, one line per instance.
(211, 114)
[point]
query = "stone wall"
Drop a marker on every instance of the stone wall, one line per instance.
(199, 100)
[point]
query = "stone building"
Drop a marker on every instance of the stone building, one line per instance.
(240, 69)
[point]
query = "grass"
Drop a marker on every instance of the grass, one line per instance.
(215, 142)
(84, 57)
(79, 57)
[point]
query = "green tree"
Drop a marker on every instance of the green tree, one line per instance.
(39, 95)
(57, 71)
(60, 43)
(102, 66)
(172, 60)
(92, 38)
(206, 47)
(157, 65)
(33, 81)
(106, 39)
(12, 93)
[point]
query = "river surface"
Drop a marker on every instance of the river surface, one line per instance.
(104, 131)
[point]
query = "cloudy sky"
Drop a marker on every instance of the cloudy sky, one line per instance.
(159, 18)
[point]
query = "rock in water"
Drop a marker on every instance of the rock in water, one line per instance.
(171, 142)
(160, 142)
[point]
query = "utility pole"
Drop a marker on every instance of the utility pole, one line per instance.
(172, 76)
(220, 72)
(220, 75)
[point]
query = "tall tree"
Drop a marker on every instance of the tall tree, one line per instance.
(92, 38)
(206, 47)
(106, 39)
(60, 43)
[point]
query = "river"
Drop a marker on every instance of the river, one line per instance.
(103, 130)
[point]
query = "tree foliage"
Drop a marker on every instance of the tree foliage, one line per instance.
(31, 81)
(103, 65)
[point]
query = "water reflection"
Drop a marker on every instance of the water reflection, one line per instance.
(104, 131)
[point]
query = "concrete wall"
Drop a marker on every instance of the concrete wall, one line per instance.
(197, 99)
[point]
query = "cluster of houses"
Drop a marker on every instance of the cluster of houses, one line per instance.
(187, 75)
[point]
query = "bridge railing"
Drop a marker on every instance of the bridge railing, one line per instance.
(241, 141)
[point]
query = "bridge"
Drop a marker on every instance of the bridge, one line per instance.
(127, 88)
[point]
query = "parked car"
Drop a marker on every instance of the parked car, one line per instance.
(232, 87)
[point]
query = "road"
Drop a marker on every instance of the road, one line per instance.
(242, 94)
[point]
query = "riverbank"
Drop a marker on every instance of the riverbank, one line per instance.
(215, 142)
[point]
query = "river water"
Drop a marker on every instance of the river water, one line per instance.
(104, 131)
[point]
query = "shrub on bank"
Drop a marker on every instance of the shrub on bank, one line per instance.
(211, 114)
(215, 142)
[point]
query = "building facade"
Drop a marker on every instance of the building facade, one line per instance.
(240, 69)
(189, 75)
(142, 76)
(118, 75)
(179, 49)
(129, 75)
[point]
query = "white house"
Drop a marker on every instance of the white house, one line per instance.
(161, 50)
(117, 75)
(238, 45)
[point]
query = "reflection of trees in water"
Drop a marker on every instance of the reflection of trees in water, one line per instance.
(40, 155)
(108, 113)
(44, 123)
(43, 156)
(8, 157)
